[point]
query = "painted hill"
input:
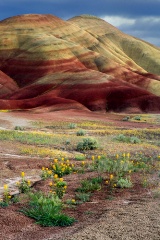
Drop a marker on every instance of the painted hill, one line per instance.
(82, 63)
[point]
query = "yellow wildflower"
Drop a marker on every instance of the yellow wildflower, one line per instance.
(83, 163)
(22, 174)
(29, 182)
(61, 179)
(43, 168)
(106, 182)
(5, 186)
(128, 155)
(124, 155)
(111, 176)
(65, 187)
(54, 167)
(117, 156)
(73, 200)
(55, 160)
(55, 176)
(49, 172)
(99, 157)
(50, 184)
(93, 158)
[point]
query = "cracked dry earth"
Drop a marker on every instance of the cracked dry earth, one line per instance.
(135, 221)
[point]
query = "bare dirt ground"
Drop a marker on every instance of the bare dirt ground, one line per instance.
(131, 214)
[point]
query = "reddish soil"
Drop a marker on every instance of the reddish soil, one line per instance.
(23, 118)
(126, 214)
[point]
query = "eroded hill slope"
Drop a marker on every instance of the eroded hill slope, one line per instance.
(82, 63)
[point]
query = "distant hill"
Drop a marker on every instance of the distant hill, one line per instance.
(82, 63)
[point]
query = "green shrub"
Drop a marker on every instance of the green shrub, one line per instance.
(124, 183)
(138, 118)
(19, 128)
(67, 142)
(59, 187)
(81, 132)
(122, 138)
(80, 157)
(3, 204)
(90, 185)
(72, 125)
(24, 185)
(87, 144)
(135, 140)
(126, 118)
(71, 202)
(62, 168)
(83, 197)
(46, 210)
(127, 139)
(118, 167)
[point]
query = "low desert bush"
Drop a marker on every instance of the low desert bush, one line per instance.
(87, 144)
(134, 139)
(138, 118)
(83, 196)
(127, 139)
(81, 132)
(72, 125)
(90, 185)
(24, 185)
(124, 183)
(47, 210)
(80, 157)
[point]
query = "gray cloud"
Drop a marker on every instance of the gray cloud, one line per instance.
(146, 28)
(137, 10)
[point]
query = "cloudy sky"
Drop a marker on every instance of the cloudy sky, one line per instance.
(140, 18)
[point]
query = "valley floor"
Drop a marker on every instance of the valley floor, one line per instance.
(129, 214)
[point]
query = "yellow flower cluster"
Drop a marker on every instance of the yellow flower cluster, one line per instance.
(43, 152)
(6, 195)
(58, 187)
(46, 173)
(62, 167)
